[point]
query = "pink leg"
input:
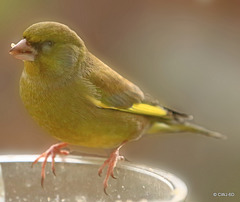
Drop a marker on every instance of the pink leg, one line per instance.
(53, 150)
(111, 163)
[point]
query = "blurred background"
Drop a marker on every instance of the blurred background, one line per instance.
(185, 53)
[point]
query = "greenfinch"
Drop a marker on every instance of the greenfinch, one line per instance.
(81, 101)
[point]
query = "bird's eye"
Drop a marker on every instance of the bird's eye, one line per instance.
(50, 43)
(47, 43)
(47, 46)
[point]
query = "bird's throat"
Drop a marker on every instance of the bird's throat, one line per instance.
(31, 69)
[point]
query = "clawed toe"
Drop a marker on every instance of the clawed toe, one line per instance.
(111, 163)
(53, 151)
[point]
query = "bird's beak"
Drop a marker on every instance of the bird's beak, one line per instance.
(23, 51)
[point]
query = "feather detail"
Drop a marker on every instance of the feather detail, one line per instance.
(138, 108)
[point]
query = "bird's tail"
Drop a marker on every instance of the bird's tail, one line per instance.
(158, 127)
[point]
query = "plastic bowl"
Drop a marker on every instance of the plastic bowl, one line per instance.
(77, 180)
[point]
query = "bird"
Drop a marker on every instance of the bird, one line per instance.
(80, 100)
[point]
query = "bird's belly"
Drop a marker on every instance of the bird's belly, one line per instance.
(106, 129)
(76, 121)
(100, 128)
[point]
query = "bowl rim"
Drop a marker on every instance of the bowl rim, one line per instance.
(177, 186)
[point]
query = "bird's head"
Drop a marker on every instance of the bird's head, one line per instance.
(49, 47)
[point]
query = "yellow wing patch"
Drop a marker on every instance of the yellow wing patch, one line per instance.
(141, 108)
(138, 108)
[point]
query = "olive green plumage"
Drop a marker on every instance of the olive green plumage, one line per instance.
(80, 100)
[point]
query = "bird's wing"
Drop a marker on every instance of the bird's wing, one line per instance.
(136, 108)
(113, 90)
(117, 93)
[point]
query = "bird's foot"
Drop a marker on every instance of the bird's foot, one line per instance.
(111, 163)
(53, 151)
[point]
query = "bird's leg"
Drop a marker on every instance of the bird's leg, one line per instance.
(111, 163)
(53, 150)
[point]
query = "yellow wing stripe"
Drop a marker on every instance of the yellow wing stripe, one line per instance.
(138, 108)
